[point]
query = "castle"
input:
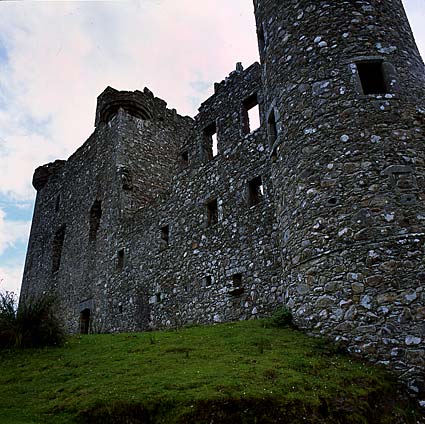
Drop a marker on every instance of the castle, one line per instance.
(160, 220)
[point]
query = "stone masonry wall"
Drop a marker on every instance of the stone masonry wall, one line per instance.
(349, 175)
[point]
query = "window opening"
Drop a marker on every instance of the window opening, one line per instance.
(211, 141)
(57, 248)
(255, 191)
(95, 216)
(272, 128)
(212, 212)
(372, 77)
(158, 297)
(120, 259)
(250, 114)
(184, 159)
(237, 288)
(85, 321)
(207, 281)
(58, 203)
(165, 236)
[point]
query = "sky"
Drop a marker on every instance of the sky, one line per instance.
(56, 57)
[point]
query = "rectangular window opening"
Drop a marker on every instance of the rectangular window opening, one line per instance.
(372, 77)
(212, 212)
(165, 237)
(184, 159)
(237, 280)
(250, 114)
(255, 191)
(237, 288)
(207, 281)
(120, 259)
(211, 141)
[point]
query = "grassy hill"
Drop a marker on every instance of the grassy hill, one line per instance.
(229, 373)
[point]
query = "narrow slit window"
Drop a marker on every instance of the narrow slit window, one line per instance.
(207, 281)
(95, 216)
(165, 237)
(250, 114)
(120, 259)
(57, 248)
(372, 77)
(255, 191)
(210, 141)
(272, 128)
(212, 212)
(58, 203)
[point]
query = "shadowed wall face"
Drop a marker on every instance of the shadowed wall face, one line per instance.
(344, 85)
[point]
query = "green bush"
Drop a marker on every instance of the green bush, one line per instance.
(281, 318)
(34, 324)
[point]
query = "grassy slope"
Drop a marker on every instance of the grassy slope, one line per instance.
(237, 372)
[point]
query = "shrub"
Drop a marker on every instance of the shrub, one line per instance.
(281, 318)
(34, 324)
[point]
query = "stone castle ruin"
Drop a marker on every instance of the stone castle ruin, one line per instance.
(160, 220)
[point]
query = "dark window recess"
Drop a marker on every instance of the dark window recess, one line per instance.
(372, 77)
(250, 114)
(210, 141)
(184, 159)
(57, 248)
(237, 288)
(120, 259)
(84, 321)
(165, 237)
(58, 203)
(120, 309)
(158, 297)
(272, 128)
(126, 179)
(95, 216)
(212, 212)
(207, 281)
(255, 191)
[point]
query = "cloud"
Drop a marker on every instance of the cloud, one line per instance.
(58, 57)
(10, 279)
(12, 232)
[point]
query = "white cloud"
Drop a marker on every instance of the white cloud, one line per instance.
(62, 55)
(12, 232)
(10, 279)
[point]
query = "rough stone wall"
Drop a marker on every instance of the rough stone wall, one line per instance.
(102, 172)
(321, 208)
(349, 175)
(164, 285)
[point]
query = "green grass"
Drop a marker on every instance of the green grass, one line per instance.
(235, 373)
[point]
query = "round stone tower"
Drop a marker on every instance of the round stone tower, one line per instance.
(344, 88)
